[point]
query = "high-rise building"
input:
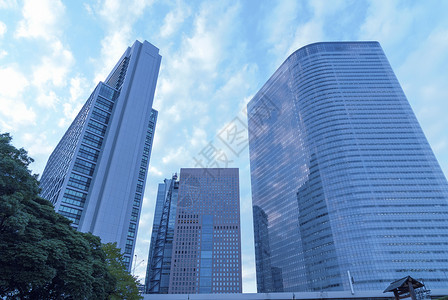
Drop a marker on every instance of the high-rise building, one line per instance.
(96, 175)
(161, 247)
(347, 193)
(205, 250)
(207, 236)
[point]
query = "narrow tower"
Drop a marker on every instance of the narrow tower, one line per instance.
(96, 175)
(161, 247)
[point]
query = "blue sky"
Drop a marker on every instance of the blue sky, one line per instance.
(215, 57)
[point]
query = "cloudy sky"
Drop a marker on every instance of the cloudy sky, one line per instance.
(215, 57)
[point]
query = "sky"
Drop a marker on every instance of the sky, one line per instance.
(215, 56)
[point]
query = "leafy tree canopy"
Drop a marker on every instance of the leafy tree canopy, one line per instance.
(126, 287)
(41, 255)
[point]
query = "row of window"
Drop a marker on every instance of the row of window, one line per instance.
(93, 138)
(139, 190)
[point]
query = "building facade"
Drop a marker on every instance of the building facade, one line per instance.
(206, 255)
(96, 175)
(347, 193)
(162, 236)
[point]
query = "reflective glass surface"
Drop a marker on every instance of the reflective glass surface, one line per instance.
(343, 178)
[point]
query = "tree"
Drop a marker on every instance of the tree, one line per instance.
(126, 287)
(41, 255)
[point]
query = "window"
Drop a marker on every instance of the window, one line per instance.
(107, 92)
(78, 181)
(84, 167)
(96, 127)
(71, 213)
(100, 115)
(104, 104)
(74, 197)
(134, 214)
(93, 140)
(140, 186)
(88, 153)
(128, 246)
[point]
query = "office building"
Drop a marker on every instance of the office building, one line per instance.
(347, 193)
(206, 246)
(161, 247)
(207, 236)
(96, 175)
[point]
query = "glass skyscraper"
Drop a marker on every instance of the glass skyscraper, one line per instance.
(96, 175)
(346, 190)
(161, 247)
(206, 253)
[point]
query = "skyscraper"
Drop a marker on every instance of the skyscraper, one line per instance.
(161, 247)
(347, 192)
(96, 175)
(206, 247)
(207, 238)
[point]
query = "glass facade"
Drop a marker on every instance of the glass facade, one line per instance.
(207, 237)
(161, 247)
(109, 140)
(84, 128)
(343, 178)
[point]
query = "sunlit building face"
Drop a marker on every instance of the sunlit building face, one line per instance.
(97, 173)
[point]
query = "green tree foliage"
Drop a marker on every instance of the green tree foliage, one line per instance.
(126, 287)
(41, 255)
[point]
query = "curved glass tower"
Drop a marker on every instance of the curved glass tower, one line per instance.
(347, 192)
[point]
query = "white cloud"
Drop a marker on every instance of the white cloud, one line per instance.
(305, 34)
(279, 22)
(54, 68)
(70, 111)
(47, 99)
(110, 55)
(41, 19)
(154, 171)
(176, 156)
(174, 19)
(206, 48)
(314, 29)
(426, 59)
(388, 22)
(16, 113)
(14, 110)
(119, 18)
(291, 24)
(199, 137)
(175, 113)
(12, 82)
(2, 29)
(52, 72)
(323, 9)
(195, 65)
(78, 88)
(8, 3)
(3, 53)
(37, 145)
(88, 8)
